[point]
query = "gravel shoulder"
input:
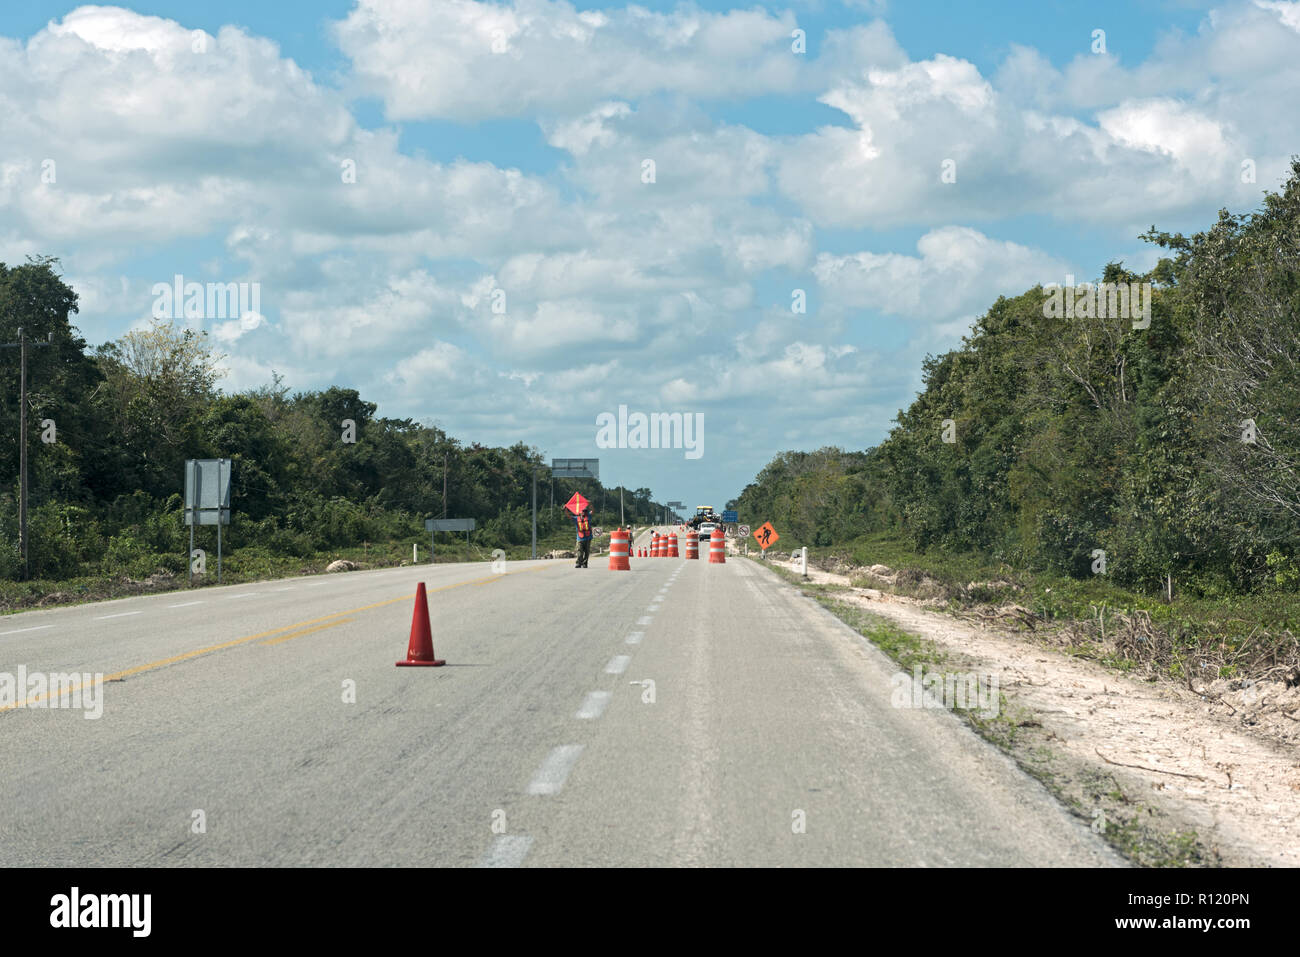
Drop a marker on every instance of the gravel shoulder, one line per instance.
(1149, 759)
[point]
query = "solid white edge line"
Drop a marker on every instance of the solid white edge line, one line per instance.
(120, 614)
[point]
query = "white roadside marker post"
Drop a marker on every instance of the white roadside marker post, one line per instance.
(803, 558)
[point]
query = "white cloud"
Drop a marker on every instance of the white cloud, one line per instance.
(578, 136)
(615, 288)
(1193, 140)
(1287, 12)
(544, 56)
(958, 269)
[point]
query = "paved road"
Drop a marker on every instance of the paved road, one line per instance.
(536, 745)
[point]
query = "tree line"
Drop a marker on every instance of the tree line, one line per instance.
(106, 494)
(1045, 440)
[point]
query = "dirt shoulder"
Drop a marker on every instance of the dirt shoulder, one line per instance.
(1199, 776)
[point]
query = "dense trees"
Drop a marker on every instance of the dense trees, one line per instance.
(1174, 448)
(106, 496)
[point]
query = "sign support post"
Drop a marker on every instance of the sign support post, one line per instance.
(207, 501)
(435, 525)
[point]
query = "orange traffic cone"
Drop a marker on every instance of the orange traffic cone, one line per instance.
(420, 649)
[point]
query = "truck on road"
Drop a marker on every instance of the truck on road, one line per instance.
(704, 522)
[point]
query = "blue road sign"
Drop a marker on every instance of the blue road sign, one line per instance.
(730, 517)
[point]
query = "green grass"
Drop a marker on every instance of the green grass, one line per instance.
(1202, 622)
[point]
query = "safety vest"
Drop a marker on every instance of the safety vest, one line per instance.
(584, 527)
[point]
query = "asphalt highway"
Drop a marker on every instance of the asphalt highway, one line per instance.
(681, 713)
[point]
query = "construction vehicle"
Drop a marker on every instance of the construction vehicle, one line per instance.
(705, 521)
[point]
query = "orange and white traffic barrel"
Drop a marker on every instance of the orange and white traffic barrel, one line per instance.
(692, 545)
(717, 548)
(618, 551)
(672, 546)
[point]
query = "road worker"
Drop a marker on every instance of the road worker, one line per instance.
(583, 521)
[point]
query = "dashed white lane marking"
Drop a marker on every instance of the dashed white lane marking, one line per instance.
(18, 631)
(121, 614)
(507, 850)
(644, 619)
(550, 777)
(593, 706)
(617, 665)
(651, 609)
(634, 638)
(186, 604)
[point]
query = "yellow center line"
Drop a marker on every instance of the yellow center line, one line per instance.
(306, 631)
(297, 627)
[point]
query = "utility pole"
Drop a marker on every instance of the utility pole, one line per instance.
(444, 483)
(620, 507)
(534, 511)
(21, 346)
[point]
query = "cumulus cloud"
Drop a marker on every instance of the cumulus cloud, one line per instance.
(1092, 141)
(543, 56)
(131, 142)
(958, 269)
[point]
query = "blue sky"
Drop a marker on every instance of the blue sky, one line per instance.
(499, 152)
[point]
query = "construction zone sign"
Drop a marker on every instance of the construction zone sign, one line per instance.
(766, 536)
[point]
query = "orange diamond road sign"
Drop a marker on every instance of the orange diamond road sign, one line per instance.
(766, 536)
